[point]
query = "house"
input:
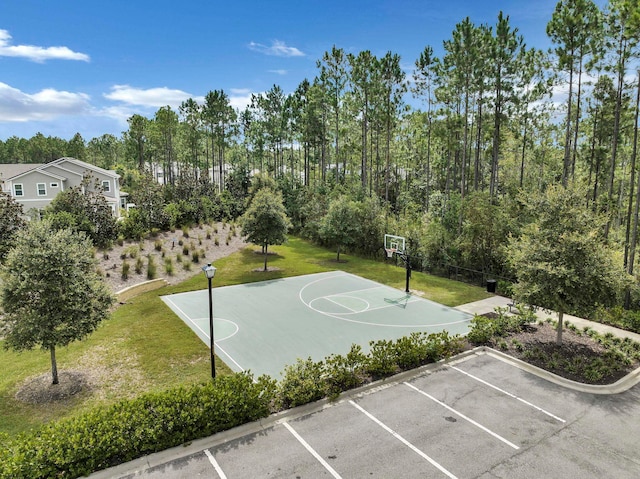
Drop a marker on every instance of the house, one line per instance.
(36, 185)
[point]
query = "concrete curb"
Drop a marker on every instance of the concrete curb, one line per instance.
(136, 289)
(621, 385)
(158, 458)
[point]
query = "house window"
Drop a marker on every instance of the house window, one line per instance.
(42, 189)
(53, 185)
(123, 202)
(106, 186)
(17, 190)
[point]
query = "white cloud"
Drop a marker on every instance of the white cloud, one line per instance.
(46, 104)
(35, 53)
(277, 48)
(278, 72)
(240, 98)
(150, 97)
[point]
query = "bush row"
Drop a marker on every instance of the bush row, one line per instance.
(107, 436)
(307, 381)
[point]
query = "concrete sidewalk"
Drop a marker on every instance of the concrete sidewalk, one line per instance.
(490, 304)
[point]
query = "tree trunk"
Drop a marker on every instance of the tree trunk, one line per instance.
(567, 137)
(54, 365)
(338, 258)
(559, 329)
(266, 247)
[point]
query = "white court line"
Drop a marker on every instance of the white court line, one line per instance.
(312, 451)
(401, 439)
(508, 394)
(488, 431)
(328, 298)
(216, 345)
(215, 464)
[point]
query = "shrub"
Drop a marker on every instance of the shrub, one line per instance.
(216, 241)
(151, 268)
(125, 270)
(382, 359)
(168, 266)
(302, 383)
(139, 265)
(185, 250)
(195, 257)
(157, 245)
(185, 232)
(481, 330)
(129, 429)
(345, 372)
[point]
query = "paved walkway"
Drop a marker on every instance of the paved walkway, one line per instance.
(490, 304)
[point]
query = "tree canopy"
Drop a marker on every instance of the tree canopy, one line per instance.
(50, 293)
(265, 222)
(10, 222)
(561, 261)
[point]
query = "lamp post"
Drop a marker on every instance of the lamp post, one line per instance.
(210, 272)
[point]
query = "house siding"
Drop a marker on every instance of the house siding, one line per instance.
(66, 173)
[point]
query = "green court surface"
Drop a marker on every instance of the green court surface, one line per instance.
(262, 327)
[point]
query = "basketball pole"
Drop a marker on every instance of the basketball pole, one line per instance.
(407, 263)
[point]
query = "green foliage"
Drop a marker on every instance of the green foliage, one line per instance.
(618, 317)
(129, 429)
(10, 222)
(50, 291)
(562, 261)
(125, 270)
(345, 372)
(85, 210)
(151, 267)
(339, 227)
(265, 221)
(139, 265)
(132, 226)
(168, 266)
(302, 383)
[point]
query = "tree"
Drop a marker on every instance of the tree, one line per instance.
(265, 222)
(89, 212)
(562, 260)
(51, 292)
(10, 222)
(573, 28)
(340, 225)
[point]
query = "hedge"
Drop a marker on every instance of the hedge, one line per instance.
(107, 436)
(129, 429)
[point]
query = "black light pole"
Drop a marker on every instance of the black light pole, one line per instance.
(210, 272)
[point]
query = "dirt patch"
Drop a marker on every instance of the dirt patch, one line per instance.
(209, 242)
(536, 345)
(40, 390)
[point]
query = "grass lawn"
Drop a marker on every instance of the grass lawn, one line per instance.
(144, 347)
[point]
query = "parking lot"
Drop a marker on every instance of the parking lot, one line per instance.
(477, 417)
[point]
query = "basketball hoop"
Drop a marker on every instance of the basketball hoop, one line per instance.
(390, 252)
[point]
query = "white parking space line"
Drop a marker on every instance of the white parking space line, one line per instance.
(458, 413)
(215, 464)
(509, 394)
(313, 452)
(402, 440)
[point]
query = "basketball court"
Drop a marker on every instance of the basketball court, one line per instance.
(264, 326)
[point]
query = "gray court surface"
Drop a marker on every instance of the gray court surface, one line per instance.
(262, 327)
(478, 416)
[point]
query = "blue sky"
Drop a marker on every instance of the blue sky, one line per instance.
(70, 66)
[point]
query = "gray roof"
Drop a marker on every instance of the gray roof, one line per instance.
(9, 170)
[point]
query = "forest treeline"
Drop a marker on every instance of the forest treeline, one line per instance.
(444, 153)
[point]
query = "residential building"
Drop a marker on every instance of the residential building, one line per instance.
(36, 185)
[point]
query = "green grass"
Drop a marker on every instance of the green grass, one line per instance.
(145, 347)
